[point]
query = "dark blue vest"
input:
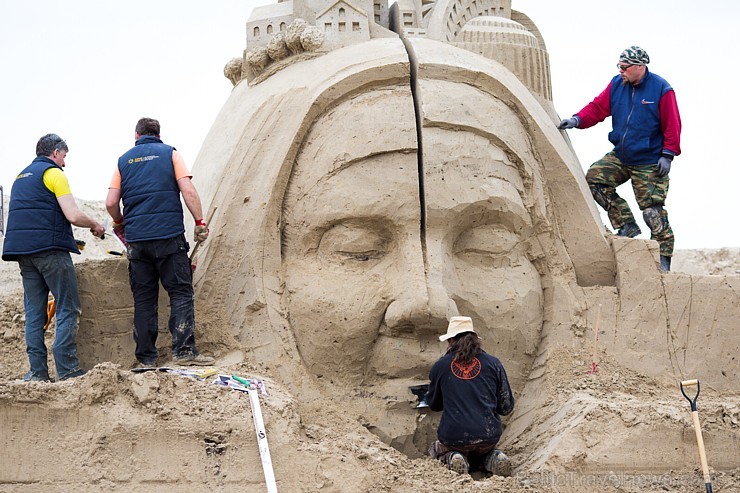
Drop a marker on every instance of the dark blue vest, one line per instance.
(36, 222)
(151, 197)
(636, 132)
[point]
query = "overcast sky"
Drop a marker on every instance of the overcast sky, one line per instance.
(88, 70)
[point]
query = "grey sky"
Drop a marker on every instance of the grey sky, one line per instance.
(88, 70)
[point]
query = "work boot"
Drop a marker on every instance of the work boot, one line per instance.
(458, 463)
(630, 230)
(665, 263)
(145, 365)
(498, 463)
(191, 359)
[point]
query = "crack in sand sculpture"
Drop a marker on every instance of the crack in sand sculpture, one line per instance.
(364, 194)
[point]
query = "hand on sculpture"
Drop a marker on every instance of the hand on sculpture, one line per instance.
(664, 166)
(201, 231)
(571, 122)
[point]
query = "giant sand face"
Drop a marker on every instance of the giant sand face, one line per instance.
(370, 282)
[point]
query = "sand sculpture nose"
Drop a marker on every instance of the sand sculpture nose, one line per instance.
(421, 306)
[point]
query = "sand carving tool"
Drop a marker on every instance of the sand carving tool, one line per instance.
(697, 429)
(259, 427)
(420, 391)
(197, 245)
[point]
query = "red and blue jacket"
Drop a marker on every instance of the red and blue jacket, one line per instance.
(645, 119)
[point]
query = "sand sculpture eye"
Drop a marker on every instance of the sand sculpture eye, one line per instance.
(485, 245)
(353, 241)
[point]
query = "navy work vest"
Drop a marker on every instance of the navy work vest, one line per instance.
(151, 197)
(636, 132)
(36, 222)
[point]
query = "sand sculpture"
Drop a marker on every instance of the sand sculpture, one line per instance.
(398, 180)
(377, 170)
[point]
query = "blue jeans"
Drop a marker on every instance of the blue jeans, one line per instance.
(42, 272)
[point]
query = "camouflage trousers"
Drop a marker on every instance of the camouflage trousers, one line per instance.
(606, 174)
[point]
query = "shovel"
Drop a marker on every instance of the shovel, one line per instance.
(697, 429)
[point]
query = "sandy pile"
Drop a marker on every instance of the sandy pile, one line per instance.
(115, 430)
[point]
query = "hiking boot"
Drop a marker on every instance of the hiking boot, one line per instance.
(191, 359)
(665, 263)
(630, 230)
(458, 463)
(498, 463)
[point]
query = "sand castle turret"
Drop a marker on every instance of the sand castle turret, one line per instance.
(486, 27)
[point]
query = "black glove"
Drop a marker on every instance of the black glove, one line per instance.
(571, 122)
(664, 166)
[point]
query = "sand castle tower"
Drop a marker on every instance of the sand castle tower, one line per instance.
(510, 43)
(280, 31)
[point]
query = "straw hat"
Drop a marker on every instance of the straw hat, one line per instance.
(458, 325)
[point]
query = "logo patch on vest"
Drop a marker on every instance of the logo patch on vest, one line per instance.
(141, 159)
(466, 372)
(647, 102)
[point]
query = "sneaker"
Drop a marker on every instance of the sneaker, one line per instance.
(498, 463)
(32, 377)
(630, 230)
(458, 463)
(191, 359)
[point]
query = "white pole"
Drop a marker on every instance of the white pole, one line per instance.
(259, 427)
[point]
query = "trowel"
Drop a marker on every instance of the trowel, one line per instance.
(420, 391)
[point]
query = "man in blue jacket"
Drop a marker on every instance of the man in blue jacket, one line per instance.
(39, 237)
(471, 389)
(149, 180)
(646, 134)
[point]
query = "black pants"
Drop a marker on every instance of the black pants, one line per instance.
(149, 263)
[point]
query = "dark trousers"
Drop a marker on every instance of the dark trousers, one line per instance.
(165, 261)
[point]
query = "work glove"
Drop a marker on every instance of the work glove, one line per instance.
(571, 122)
(201, 231)
(119, 231)
(664, 166)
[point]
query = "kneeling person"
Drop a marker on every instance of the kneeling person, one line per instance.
(471, 389)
